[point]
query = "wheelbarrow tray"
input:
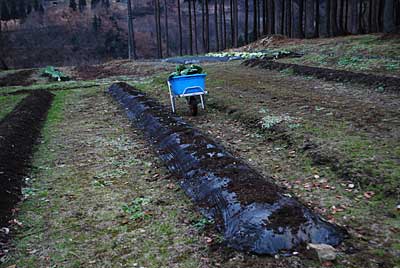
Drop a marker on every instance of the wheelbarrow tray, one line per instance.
(188, 85)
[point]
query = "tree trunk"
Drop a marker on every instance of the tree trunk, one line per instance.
(289, 18)
(259, 14)
(346, 17)
(255, 15)
(224, 19)
(130, 26)
(232, 22)
(360, 17)
(381, 13)
(236, 16)
(328, 17)
(301, 11)
(3, 64)
(195, 26)
(310, 19)
(333, 18)
(246, 21)
(158, 27)
(221, 25)
(203, 26)
(324, 23)
(317, 19)
(166, 27)
(271, 16)
(190, 28)
(297, 19)
(282, 21)
(341, 16)
(264, 17)
(180, 29)
(207, 26)
(354, 21)
(216, 24)
(370, 30)
(388, 14)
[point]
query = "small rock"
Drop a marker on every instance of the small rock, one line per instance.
(351, 186)
(5, 230)
(324, 252)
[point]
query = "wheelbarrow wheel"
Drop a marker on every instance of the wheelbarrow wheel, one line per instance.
(193, 106)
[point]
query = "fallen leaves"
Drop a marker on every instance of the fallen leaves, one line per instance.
(369, 194)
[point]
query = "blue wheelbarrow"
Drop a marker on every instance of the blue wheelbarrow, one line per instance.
(192, 87)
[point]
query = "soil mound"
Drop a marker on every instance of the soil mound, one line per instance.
(254, 214)
(388, 83)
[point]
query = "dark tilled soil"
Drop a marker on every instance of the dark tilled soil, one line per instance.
(91, 72)
(20, 78)
(18, 133)
(389, 83)
(28, 91)
(286, 216)
(249, 185)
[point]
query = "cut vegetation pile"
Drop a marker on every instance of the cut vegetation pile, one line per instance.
(388, 83)
(252, 212)
(18, 133)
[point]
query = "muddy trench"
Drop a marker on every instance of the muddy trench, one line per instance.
(19, 131)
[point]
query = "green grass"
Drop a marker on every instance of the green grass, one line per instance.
(7, 104)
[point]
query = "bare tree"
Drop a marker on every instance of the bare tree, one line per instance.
(246, 21)
(207, 25)
(224, 20)
(195, 26)
(310, 19)
(190, 27)
(216, 24)
(166, 27)
(333, 18)
(158, 27)
(131, 33)
(180, 29)
(389, 21)
(255, 24)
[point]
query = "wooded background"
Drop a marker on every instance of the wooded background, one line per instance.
(96, 30)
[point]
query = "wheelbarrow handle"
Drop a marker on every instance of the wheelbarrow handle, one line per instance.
(194, 87)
